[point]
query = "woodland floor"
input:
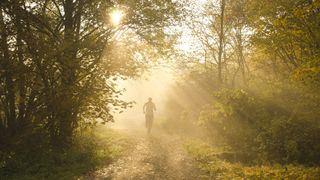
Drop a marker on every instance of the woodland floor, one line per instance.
(157, 156)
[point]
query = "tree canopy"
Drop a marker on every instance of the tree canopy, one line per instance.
(60, 59)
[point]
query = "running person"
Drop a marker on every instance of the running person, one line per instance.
(148, 109)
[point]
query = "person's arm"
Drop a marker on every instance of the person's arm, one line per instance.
(144, 107)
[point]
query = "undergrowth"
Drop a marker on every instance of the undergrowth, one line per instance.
(91, 150)
(212, 166)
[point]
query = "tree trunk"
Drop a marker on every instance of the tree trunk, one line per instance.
(221, 41)
(67, 110)
(9, 84)
(241, 60)
(21, 66)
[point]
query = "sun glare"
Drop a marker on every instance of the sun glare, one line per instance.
(116, 17)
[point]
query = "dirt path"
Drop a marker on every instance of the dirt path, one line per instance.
(158, 156)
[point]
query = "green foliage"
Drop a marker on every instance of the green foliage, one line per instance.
(280, 125)
(289, 30)
(90, 152)
(60, 61)
(309, 74)
(213, 167)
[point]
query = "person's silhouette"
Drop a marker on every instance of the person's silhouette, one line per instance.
(148, 109)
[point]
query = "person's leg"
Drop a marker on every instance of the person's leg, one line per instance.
(150, 123)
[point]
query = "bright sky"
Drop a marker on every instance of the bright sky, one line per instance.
(157, 84)
(187, 43)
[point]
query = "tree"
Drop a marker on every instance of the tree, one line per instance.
(221, 29)
(289, 31)
(56, 73)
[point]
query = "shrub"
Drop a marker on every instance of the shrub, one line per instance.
(90, 151)
(281, 126)
(212, 167)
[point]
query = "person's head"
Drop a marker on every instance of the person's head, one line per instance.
(149, 99)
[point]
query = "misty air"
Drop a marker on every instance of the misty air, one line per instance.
(160, 90)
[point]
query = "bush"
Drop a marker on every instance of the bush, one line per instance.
(281, 126)
(90, 151)
(212, 167)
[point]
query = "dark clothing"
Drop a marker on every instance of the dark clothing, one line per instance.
(149, 120)
(149, 107)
